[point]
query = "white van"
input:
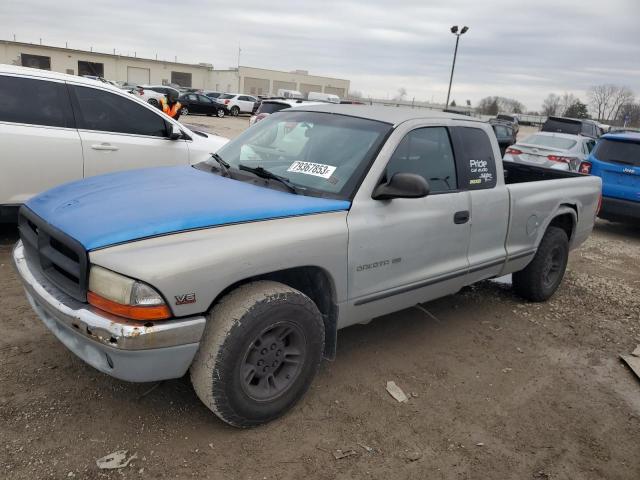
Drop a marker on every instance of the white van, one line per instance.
(323, 97)
(55, 128)
(283, 92)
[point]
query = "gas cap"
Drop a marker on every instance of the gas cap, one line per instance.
(532, 225)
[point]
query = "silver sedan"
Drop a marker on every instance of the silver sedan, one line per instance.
(560, 151)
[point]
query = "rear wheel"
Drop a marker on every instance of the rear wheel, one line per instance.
(260, 351)
(235, 111)
(220, 112)
(184, 111)
(542, 277)
(153, 101)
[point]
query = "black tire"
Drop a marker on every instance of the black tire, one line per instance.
(184, 111)
(542, 277)
(235, 111)
(231, 371)
(220, 113)
(154, 102)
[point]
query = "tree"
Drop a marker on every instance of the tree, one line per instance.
(577, 110)
(566, 101)
(551, 105)
(402, 92)
(606, 100)
(494, 105)
(453, 103)
(631, 113)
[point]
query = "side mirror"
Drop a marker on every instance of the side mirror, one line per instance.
(402, 185)
(174, 132)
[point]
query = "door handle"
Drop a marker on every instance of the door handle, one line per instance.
(461, 217)
(104, 146)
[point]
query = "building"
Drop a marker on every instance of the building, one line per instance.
(136, 70)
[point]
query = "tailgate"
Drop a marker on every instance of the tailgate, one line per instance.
(617, 162)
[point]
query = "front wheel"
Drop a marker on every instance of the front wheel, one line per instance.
(542, 277)
(235, 111)
(220, 112)
(184, 111)
(260, 351)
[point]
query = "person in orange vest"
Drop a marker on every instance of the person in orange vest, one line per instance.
(170, 105)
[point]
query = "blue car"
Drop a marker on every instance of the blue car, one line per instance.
(616, 159)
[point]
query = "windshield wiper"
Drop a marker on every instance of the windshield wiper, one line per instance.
(223, 165)
(264, 173)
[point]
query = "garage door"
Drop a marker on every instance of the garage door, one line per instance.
(277, 85)
(305, 88)
(138, 76)
(256, 86)
(335, 91)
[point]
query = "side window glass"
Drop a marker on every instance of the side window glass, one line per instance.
(36, 102)
(204, 99)
(590, 145)
(107, 112)
(475, 158)
(192, 98)
(427, 152)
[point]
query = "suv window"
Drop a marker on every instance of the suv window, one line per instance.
(108, 112)
(475, 158)
(622, 153)
(246, 99)
(427, 152)
(36, 102)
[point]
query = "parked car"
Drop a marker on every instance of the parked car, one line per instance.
(148, 95)
(559, 151)
(162, 89)
(323, 97)
(505, 136)
(510, 120)
(267, 107)
(197, 103)
(55, 128)
(211, 94)
(237, 103)
(573, 126)
(360, 211)
(616, 160)
(286, 93)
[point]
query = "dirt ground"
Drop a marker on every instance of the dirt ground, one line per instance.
(499, 389)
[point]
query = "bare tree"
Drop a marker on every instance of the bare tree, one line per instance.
(494, 105)
(551, 105)
(402, 92)
(566, 101)
(606, 100)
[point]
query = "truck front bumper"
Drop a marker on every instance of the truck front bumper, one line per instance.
(618, 210)
(128, 350)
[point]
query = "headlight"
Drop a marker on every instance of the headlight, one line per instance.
(124, 296)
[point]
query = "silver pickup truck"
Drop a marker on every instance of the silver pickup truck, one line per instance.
(243, 268)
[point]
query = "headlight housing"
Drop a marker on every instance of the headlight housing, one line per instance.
(124, 296)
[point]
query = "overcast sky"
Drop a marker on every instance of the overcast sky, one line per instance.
(517, 48)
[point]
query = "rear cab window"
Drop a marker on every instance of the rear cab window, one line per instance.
(35, 102)
(474, 157)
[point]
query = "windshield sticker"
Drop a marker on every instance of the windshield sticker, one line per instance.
(315, 169)
(480, 170)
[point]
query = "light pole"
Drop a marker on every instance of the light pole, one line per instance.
(454, 30)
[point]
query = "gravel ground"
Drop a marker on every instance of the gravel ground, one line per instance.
(498, 388)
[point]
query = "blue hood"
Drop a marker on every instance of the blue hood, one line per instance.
(126, 206)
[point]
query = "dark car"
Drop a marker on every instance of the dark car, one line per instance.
(505, 135)
(196, 103)
(212, 94)
(573, 126)
(510, 120)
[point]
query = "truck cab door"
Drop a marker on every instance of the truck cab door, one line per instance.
(408, 250)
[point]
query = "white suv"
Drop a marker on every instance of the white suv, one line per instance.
(55, 128)
(237, 103)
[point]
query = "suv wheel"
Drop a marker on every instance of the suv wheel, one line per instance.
(259, 353)
(235, 111)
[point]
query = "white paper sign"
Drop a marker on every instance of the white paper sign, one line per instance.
(308, 168)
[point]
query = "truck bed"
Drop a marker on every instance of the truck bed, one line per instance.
(520, 173)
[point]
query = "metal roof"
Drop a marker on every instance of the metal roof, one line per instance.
(381, 113)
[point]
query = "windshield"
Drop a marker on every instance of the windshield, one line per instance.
(322, 154)
(552, 142)
(627, 153)
(562, 126)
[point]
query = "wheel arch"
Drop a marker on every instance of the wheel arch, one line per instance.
(316, 283)
(566, 218)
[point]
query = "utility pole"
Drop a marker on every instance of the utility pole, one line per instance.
(454, 30)
(239, 51)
